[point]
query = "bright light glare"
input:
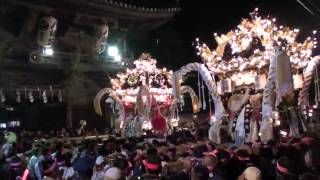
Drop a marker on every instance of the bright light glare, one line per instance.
(117, 58)
(113, 51)
(48, 51)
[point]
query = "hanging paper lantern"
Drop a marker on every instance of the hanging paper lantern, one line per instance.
(44, 97)
(60, 96)
(260, 81)
(18, 99)
(2, 97)
(224, 86)
(31, 99)
(297, 81)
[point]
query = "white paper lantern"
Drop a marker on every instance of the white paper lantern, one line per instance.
(297, 81)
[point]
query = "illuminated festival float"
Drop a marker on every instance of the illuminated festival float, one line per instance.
(259, 77)
(142, 99)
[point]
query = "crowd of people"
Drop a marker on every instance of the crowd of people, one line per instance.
(178, 156)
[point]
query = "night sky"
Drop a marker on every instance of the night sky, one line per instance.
(172, 45)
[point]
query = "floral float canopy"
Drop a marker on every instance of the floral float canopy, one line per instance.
(145, 73)
(252, 44)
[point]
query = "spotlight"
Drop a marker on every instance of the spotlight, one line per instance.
(48, 51)
(113, 51)
(117, 58)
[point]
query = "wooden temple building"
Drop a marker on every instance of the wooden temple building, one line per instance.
(52, 88)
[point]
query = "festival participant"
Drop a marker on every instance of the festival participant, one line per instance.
(34, 164)
(211, 162)
(113, 173)
(153, 168)
(265, 163)
(200, 172)
(185, 173)
(242, 161)
(225, 166)
(159, 123)
(312, 157)
(285, 169)
(309, 176)
(68, 172)
(16, 167)
(138, 167)
(98, 169)
(122, 163)
(251, 173)
(6, 149)
(86, 161)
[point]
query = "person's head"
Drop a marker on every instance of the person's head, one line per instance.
(15, 163)
(68, 157)
(60, 147)
(223, 156)
(171, 153)
(36, 151)
(285, 167)
(60, 159)
(251, 173)
(312, 157)
(210, 147)
(46, 165)
(200, 173)
(210, 162)
(99, 163)
(309, 176)
(266, 153)
(242, 155)
(113, 173)
(152, 151)
(199, 151)
(121, 163)
(256, 147)
(187, 164)
(153, 164)
(155, 143)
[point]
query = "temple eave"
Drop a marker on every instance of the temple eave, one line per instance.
(101, 9)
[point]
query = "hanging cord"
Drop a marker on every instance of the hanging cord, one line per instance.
(199, 91)
(204, 104)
